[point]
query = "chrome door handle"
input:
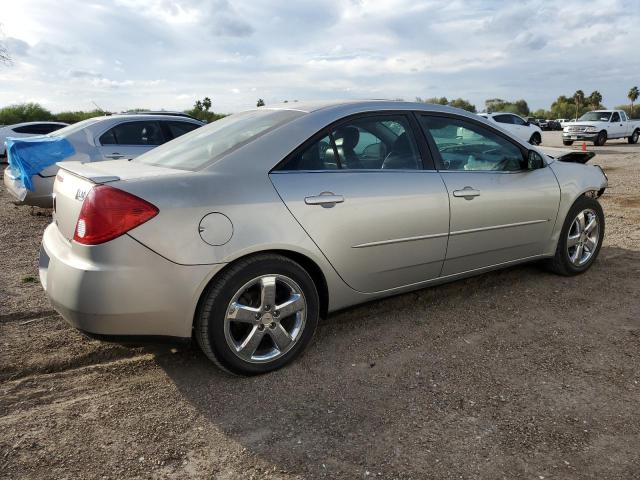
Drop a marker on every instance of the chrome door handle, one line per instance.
(467, 193)
(326, 199)
(115, 156)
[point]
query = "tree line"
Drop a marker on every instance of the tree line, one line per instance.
(565, 106)
(34, 112)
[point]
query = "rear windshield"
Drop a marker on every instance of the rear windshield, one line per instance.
(207, 144)
(63, 132)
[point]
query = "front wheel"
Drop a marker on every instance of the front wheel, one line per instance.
(535, 139)
(600, 139)
(258, 316)
(580, 239)
(634, 138)
(567, 143)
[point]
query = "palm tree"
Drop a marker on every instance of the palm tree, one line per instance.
(633, 96)
(578, 98)
(595, 99)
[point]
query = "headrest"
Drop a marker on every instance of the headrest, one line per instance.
(347, 137)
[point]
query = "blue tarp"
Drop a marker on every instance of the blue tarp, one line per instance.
(29, 156)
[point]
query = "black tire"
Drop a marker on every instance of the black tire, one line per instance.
(634, 137)
(601, 139)
(560, 263)
(535, 139)
(567, 142)
(212, 311)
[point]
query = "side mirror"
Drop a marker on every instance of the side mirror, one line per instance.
(534, 160)
(528, 123)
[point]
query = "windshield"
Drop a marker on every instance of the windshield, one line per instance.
(63, 132)
(596, 117)
(207, 144)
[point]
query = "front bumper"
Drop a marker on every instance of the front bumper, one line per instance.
(40, 196)
(579, 136)
(120, 288)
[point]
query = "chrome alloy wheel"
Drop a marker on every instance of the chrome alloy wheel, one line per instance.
(265, 318)
(583, 237)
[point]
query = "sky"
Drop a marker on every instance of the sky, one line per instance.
(165, 54)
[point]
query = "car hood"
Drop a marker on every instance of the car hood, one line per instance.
(568, 155)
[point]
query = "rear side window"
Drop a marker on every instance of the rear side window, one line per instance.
(467, 146)
(38, 129)
(177, 129)
(368, 143)
(503, 118)
(205, 145)
(133, 133)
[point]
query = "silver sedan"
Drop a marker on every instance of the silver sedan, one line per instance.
(244, 233)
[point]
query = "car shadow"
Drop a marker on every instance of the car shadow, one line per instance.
(396, 384)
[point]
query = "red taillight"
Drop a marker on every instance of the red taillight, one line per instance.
(108, 213)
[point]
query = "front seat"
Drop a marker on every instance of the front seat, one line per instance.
(346, 139)
(401, 156)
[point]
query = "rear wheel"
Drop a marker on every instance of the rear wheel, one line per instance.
(258, 316)
(567, 142)
(600, 139)
(580, 239)
(535, 139)
(634, 137)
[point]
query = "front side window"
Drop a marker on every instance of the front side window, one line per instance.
(616, 117)
(467, 146)
(367, 143)
(516, 120)
(133, 133)
(623, 116)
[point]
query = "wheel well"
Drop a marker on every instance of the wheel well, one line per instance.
(305, 262)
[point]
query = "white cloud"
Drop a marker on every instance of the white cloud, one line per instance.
(167, 53)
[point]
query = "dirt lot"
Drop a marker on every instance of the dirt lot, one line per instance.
(513, 374)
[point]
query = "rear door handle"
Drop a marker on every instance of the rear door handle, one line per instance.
(467, 193)
(326, 199)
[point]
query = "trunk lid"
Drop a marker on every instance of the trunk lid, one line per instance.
(75, 180)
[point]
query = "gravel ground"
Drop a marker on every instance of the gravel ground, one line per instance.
(512, 374)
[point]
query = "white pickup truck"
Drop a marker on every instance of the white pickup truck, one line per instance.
(601, 125)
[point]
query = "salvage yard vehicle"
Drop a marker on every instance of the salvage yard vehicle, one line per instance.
(247, 231)
(32, 161)
(599, 126)
(27, 129)
(516, 125)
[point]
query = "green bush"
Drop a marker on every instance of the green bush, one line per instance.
(24, 112)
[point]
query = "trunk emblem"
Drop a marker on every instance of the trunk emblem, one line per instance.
(81, 194)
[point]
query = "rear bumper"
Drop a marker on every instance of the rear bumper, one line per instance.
(120, 288)
(39, 197)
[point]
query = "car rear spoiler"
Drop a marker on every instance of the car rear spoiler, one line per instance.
(567, 155)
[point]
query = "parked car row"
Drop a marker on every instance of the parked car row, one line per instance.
(235, 233)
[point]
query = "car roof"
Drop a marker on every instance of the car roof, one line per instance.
(360, 106)
(47, 122)
(160, 112)
(145, 116)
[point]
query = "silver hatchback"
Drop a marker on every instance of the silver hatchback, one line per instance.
(245, 232)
